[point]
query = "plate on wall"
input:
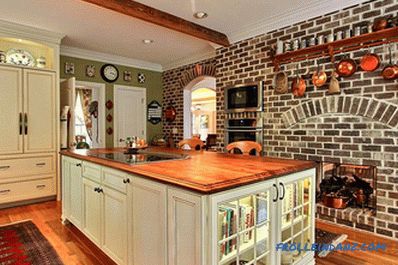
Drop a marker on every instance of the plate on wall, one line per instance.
(20, 57)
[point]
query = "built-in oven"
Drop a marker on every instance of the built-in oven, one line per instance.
(241, 98)
(247, 129)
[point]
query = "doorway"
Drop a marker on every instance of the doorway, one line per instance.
(200, 107)
(129, 113)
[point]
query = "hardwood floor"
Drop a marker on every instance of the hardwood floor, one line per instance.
(71, 245)
(388, 257)
(74, 248)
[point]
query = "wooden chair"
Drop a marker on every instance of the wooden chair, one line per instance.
(211, 142)
(194, 143)
(245, 147)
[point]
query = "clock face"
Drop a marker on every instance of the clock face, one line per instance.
(109, 73)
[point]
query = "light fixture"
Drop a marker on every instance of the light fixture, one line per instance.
(200, 15)
(147, 41)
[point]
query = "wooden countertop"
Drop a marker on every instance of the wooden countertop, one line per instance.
(204, 172)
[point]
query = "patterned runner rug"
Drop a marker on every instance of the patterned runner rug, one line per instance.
(23, 244)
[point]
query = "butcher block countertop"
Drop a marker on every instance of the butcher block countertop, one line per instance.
(203, 172)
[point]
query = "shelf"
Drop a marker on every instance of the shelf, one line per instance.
(345, 45)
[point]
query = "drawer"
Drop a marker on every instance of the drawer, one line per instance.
(26, 166)
(92, 171)
(17, 191)
(115, 179)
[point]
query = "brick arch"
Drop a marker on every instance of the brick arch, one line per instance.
(205, 69)
(377, 110)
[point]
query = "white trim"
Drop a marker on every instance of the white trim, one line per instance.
(109, 58)
(291, 17)
(277, 21)
(189, 60)
(101, 107)
(115, 113)
(19, 31)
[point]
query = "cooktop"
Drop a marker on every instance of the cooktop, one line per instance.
(141, 157)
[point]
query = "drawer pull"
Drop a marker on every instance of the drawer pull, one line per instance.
(40, 186)
(4, 167)
(4, 191)
(127, 180)
(40, 164)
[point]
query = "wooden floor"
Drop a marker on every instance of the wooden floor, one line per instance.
(74, 248)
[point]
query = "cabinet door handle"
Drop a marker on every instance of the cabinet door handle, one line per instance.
(4, 191)
(26, 123)
(79, 164)
(20, 123)
(40, 186)
(40, 164)
(277, 193)
(4, 167)
(127, 180)
(96, 189)
(283, 191)
(100, 190)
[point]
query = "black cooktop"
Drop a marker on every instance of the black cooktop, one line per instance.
(141, 157)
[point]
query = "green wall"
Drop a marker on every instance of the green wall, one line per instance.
(153, 85)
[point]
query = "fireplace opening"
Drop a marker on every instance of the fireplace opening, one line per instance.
(347, 187)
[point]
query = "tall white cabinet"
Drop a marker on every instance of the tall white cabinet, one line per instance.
(29, 117)
(28, 141)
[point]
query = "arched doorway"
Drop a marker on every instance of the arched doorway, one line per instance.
(200, 107)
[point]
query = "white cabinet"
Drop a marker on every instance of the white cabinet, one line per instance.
(148, 215)
(11, 110)
(72, 191)
(114, 217)
(249, 222)
(28, 115)
(184, 228)
(105, 211)
(92, 210)
(39, 111)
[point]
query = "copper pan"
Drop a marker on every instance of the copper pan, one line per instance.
(346, 67)
(335, 202)
(370, 62)
(298, 85)
(390, 72)
(319, 77)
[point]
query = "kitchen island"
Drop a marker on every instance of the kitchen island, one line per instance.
(195, 208)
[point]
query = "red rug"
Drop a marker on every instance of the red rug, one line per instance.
(23, 244)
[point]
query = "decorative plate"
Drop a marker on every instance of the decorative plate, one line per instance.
(20, 57)
(141, 78)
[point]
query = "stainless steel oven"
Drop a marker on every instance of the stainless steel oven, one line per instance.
(250, 129)
(247, 97)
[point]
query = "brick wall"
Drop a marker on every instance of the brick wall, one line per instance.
(359, 126)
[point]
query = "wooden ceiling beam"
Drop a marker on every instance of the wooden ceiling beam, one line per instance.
(158, 17)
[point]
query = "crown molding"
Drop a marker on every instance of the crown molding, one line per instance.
(189, 60)
(289, 18)
(109, 58)
(11, 29)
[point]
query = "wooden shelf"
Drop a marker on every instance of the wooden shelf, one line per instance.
(345, 45)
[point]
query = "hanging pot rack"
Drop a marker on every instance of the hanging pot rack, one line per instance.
(340, 46)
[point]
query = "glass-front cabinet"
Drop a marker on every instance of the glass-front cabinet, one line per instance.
(248, 223)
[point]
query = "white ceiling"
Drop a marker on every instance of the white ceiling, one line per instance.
(89, 27)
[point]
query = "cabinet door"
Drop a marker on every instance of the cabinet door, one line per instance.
(149, 223)
(39, 111)
(242, 225)
(11, 110)
(92, 211)
(114, 219)
(296, 210)
(76, 185)
(65, 188)
(184, 228)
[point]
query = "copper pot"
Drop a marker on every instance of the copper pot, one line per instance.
(335, 202)
(319, 78)
(346, 67)
(390, 71)
(370, 62)
(380, 24)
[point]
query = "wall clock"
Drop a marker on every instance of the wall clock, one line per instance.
(109, 73)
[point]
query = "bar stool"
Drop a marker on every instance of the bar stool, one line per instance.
(245, 148)
(194, 143)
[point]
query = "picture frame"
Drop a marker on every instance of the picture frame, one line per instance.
(69, 68)
(127, 76)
